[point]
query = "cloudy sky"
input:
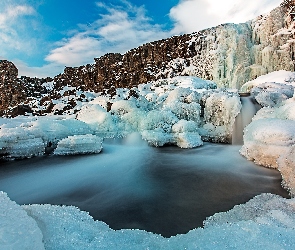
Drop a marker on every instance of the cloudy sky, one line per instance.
(43, 36)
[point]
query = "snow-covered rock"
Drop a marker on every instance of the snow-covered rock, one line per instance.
(271, 89)
(79, 144)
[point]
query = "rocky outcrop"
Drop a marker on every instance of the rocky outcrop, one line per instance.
(229, 54)
(8, 71)
(11, 93)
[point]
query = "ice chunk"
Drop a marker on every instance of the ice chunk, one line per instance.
(19, 143)
(79, 144)
(188, 140)
(17, 229)
(178, 95)
(221, 109)
(157, 137)
(186, 111)
(266, 140)
(194, 83)
(270, 142)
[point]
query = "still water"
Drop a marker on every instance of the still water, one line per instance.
(131, 185)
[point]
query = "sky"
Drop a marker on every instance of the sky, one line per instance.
(41, 37)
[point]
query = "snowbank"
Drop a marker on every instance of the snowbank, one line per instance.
(269, 140)
(271, 89)
(281, 76)
(18, 230)
(267, 221)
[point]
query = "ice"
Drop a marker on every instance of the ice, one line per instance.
(272, 94)
(271, 89)
(180, 102)
(17, 229)
(194, 83)
(156, 137)
(79, 144)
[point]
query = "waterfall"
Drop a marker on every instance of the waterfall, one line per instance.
(248, 110)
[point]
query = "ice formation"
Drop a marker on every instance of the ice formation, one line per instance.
(79, 144)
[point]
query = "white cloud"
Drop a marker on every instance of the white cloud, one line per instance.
(121, 28)
(75, 51)
(50, 69)
(11, 13)
(15, 30)
(194, 15)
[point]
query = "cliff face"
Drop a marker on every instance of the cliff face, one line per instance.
(10, 93)
(229, 54)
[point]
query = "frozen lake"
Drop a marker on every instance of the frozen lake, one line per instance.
(131, 185)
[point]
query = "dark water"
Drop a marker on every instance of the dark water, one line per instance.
(163, 190)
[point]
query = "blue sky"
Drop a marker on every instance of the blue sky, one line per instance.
(43, 36)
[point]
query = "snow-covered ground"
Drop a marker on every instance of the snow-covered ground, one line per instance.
(184, 111)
